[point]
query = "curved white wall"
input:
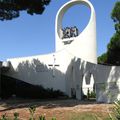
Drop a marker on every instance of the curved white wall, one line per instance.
(38, 70)
(84, 45)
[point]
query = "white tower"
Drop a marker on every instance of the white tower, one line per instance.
(84, 45)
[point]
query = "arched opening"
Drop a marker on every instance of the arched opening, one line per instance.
(74, 22)
(78, 15)
(88, 87)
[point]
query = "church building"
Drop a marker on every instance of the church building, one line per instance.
(73, 66)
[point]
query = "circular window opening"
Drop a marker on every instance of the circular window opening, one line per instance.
(75, 20)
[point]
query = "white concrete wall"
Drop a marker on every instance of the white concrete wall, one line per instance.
(84, 45)
(106, 79)
(107, 83)
(36, 70)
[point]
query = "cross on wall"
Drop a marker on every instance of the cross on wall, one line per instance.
(54, 65)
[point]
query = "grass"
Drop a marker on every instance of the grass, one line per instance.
(87, 116)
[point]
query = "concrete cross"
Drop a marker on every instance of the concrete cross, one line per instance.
(54, 65)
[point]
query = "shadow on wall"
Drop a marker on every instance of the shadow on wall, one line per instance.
(29, 77)
(107, 83)
(36, 72)
(106, 80)
(88, 78)
(114, 84)
(69, 79)
(74, 77)
(31, 71)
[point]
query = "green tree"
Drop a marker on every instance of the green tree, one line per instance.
(102, 59)
(113, 53)
(10, 9)
(112, 56)
(115, 15)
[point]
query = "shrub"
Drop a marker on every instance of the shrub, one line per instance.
(22, 89)
(16, 115)
(92, 94)
(116, 110)
(4, 117)
(32, 110)
(54, 118)
(42, 117)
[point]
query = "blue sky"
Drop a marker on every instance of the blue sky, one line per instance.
(34, 35)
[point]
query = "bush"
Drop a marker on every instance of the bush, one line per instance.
(22, 89)
(4, 117)
(16, 115)
(116, 110)
(91, 94)
(32, 110)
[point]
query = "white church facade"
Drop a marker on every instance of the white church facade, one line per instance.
(73, 65)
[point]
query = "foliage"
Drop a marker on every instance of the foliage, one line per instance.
(115, 15)
(54, 118)
(22, 89)
(42, 117)
(71, 116)
(16, 115)
(113, 52)
(112, 56)
(32, 110)
(88, 93)
(4, 117)
(102, 59)
(39, 92)
(116, 111)
(10, 9)
(91, 94)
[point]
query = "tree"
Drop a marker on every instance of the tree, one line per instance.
(113, 53)
(115, 15)
(10, 9)
(102, 59)
(112, 56)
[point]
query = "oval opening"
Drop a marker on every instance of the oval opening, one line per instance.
(77, 16)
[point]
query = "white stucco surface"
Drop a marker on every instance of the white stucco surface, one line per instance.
(84, 45)
(38, 70)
